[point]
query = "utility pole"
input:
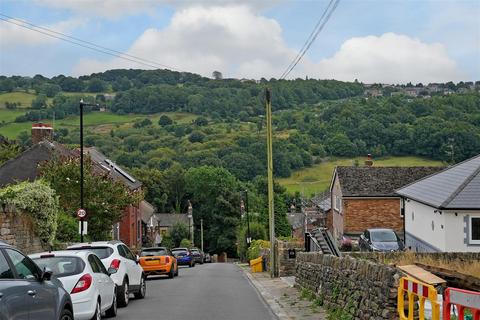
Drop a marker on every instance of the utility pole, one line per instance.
(201, 234)
(249, 238)
(271, 210)
(190, 221)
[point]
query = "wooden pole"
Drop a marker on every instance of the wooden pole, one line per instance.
(271, 211)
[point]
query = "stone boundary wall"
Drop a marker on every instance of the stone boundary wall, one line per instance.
(388, 257)
(286, 266)
(17, 229)
(362, 289)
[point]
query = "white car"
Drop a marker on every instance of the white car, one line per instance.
(129, 276)
(82, 275)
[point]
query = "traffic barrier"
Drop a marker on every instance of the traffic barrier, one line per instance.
(462, 299)
(256, 265)
(414, 288)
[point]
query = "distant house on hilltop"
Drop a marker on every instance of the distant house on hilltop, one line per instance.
(364, 197)
(442, 211)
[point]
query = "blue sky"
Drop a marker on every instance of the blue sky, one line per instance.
(373, 41)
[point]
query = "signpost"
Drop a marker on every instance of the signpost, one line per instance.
(82, 225)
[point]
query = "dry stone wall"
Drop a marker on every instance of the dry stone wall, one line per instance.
(360, 289)
(286, 263)
(17, 229)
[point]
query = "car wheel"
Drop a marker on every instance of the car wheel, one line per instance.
(176, 271)
(98, 312)
(66, 315)
(142, 290)
(112, 311)
(171, 274)
(123, 294)
(191, 265)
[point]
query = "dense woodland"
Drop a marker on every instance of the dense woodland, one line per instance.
(225, 137)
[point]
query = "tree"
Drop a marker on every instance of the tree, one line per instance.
(96, 85)
(40, 102)
(217, 75)
(201, 121)
(196, 136)
(165, 121)
(8, 149)
(178, 233)
(105, 199)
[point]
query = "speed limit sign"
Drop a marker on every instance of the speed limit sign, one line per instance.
(81, 213)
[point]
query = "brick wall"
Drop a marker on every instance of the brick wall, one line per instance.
(337, 214)
(129, 227)
(361, 214)
(17, 229)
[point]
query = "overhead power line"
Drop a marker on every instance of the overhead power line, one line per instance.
(83, 43)
(332, 5)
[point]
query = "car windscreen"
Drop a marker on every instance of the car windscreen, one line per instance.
(153, 252)
(383, 236)
(101, 252)
(61, 266)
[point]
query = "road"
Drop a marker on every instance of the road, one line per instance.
(216, 291)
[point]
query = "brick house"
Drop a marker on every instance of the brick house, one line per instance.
(364, 197)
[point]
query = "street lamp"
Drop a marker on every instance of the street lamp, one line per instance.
(244, 209)
(190, 217)
(82, 218)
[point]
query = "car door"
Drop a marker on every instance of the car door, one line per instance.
(134, 270)
(41, 297)
(106, 285)
(12, 293)
(96, 274)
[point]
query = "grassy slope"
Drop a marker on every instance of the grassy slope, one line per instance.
(317, 178)
(24, 98)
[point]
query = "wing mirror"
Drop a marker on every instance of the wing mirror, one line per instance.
(137, 259)
(46, 274)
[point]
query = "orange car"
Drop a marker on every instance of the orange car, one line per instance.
(158, 261)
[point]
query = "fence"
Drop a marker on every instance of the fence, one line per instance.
(461, 299)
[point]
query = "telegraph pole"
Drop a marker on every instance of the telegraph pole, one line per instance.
(249, 238)
(201, 234)
(271, 211)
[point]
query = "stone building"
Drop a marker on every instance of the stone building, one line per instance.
(364, 197)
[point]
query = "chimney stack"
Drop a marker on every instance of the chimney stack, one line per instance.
(40, 132)
(369, 161)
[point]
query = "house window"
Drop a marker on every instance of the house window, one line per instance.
(337, 203)
(474, 230)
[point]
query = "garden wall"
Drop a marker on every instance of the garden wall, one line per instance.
(17, 229)
(286, 263)
(360, 288)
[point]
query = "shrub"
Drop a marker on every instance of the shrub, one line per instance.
(185, 243)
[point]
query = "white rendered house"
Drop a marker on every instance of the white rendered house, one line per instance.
(442, 211)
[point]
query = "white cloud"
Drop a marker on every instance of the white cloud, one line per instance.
(390, 58)
(13, 35)
(240, 42)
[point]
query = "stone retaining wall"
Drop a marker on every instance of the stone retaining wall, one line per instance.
(286, 265)
(362, 289)
(388, 257)
(17, 229)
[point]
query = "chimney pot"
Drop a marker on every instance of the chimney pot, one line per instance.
(369, 161)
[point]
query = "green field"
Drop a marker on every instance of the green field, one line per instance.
(24, 98)
(101, 122)
(316, 179)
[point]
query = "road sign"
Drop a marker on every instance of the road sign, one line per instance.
(85, 227)
(81, 213)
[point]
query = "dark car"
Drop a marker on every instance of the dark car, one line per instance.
(380, 240)
(184, 257)
(27, 292)
(198, 255)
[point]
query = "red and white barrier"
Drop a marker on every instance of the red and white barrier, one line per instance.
(462, 299)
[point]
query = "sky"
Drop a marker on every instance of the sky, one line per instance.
(387, 41)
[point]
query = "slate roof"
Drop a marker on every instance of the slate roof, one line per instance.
(457, 187)
(169, 219)
(378, 181)
(114, 171)
(24, 167)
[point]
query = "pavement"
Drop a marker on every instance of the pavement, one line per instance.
(214, 291)
(283, 297)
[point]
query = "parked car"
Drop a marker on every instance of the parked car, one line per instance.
(207, 258)
(198, 255)
(158, 261)
(380, 240)
(85, 277)
(129, 276)
(29, 292)
(184, 257)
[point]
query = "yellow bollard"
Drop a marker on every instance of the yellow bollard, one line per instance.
(414, 288)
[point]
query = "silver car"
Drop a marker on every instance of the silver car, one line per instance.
(27, 292)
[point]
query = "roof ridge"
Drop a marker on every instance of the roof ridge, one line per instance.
(37, 145)
(460, 187)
